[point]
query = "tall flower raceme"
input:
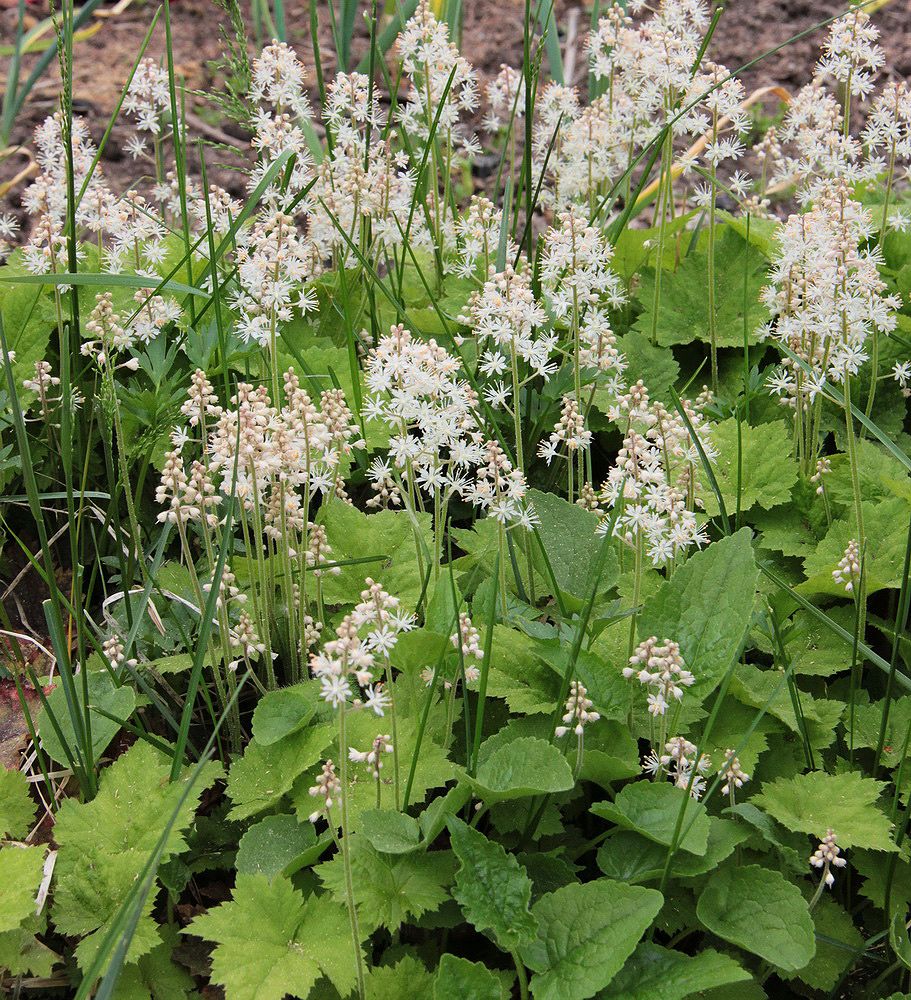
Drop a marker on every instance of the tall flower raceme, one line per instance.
(579, 289)
(364, 186)
(829, 303)
(654, 477)
(442, 89)
(275, 463)
(514, 347)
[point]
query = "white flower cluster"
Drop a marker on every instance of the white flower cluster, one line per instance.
(655, 476)
(826, 295)
(679, 764)
(345, 665)
(578, 712)
(659, 667)
(260, 454)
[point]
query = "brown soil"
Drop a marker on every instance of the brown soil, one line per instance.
(492, 35)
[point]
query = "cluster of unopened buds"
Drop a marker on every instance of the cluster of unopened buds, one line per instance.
(373, 757)
(734, 775)
(847, 572)
(659, 666)
(469, 640)
(827, 857)
(578, 711)
(328, 788)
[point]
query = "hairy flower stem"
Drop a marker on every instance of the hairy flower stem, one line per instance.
(858, 509)
(346, 851)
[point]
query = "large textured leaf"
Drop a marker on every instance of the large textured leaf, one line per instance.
(274, 845)
(838, 943)
(656, 973)
(280, 713)
(767, 467)
(760, 911)
(567, 533)
(491, 887)
(652, 809)
(706, 607)
(886, 530)
(585, 934)
(683, 314)
(270, 942)
(17, 810)
(520, 768)
(28, 320)
(816, 802)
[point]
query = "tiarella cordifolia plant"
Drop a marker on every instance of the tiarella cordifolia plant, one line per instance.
(428, 561)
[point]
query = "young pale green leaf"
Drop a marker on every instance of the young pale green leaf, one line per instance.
(767, 471)
(652, 809)
(104, 844)
(280, 713)
(388, 534)
(388, 889)
(759, 910)
(522, 767)
(816, 802)
(656, 973)
(22, 954)
(409, 977)
(17, 810)
(272, 846)
(585, 934)
(271, 942)
(706, 608)
(391, 832)
(458, 977)
(20, 876)
(491, 887)
(264, 775)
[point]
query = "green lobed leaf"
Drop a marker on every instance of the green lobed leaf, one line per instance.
(388, 889)
(585, 934)
(759, 910)
(271, 942)
(21, 871)
(391, 832)
(684, 308)
(17, 810)
(816, 802)
(458, 977)
(767, 469)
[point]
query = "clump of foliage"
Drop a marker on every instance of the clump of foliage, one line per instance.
(467, 596)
